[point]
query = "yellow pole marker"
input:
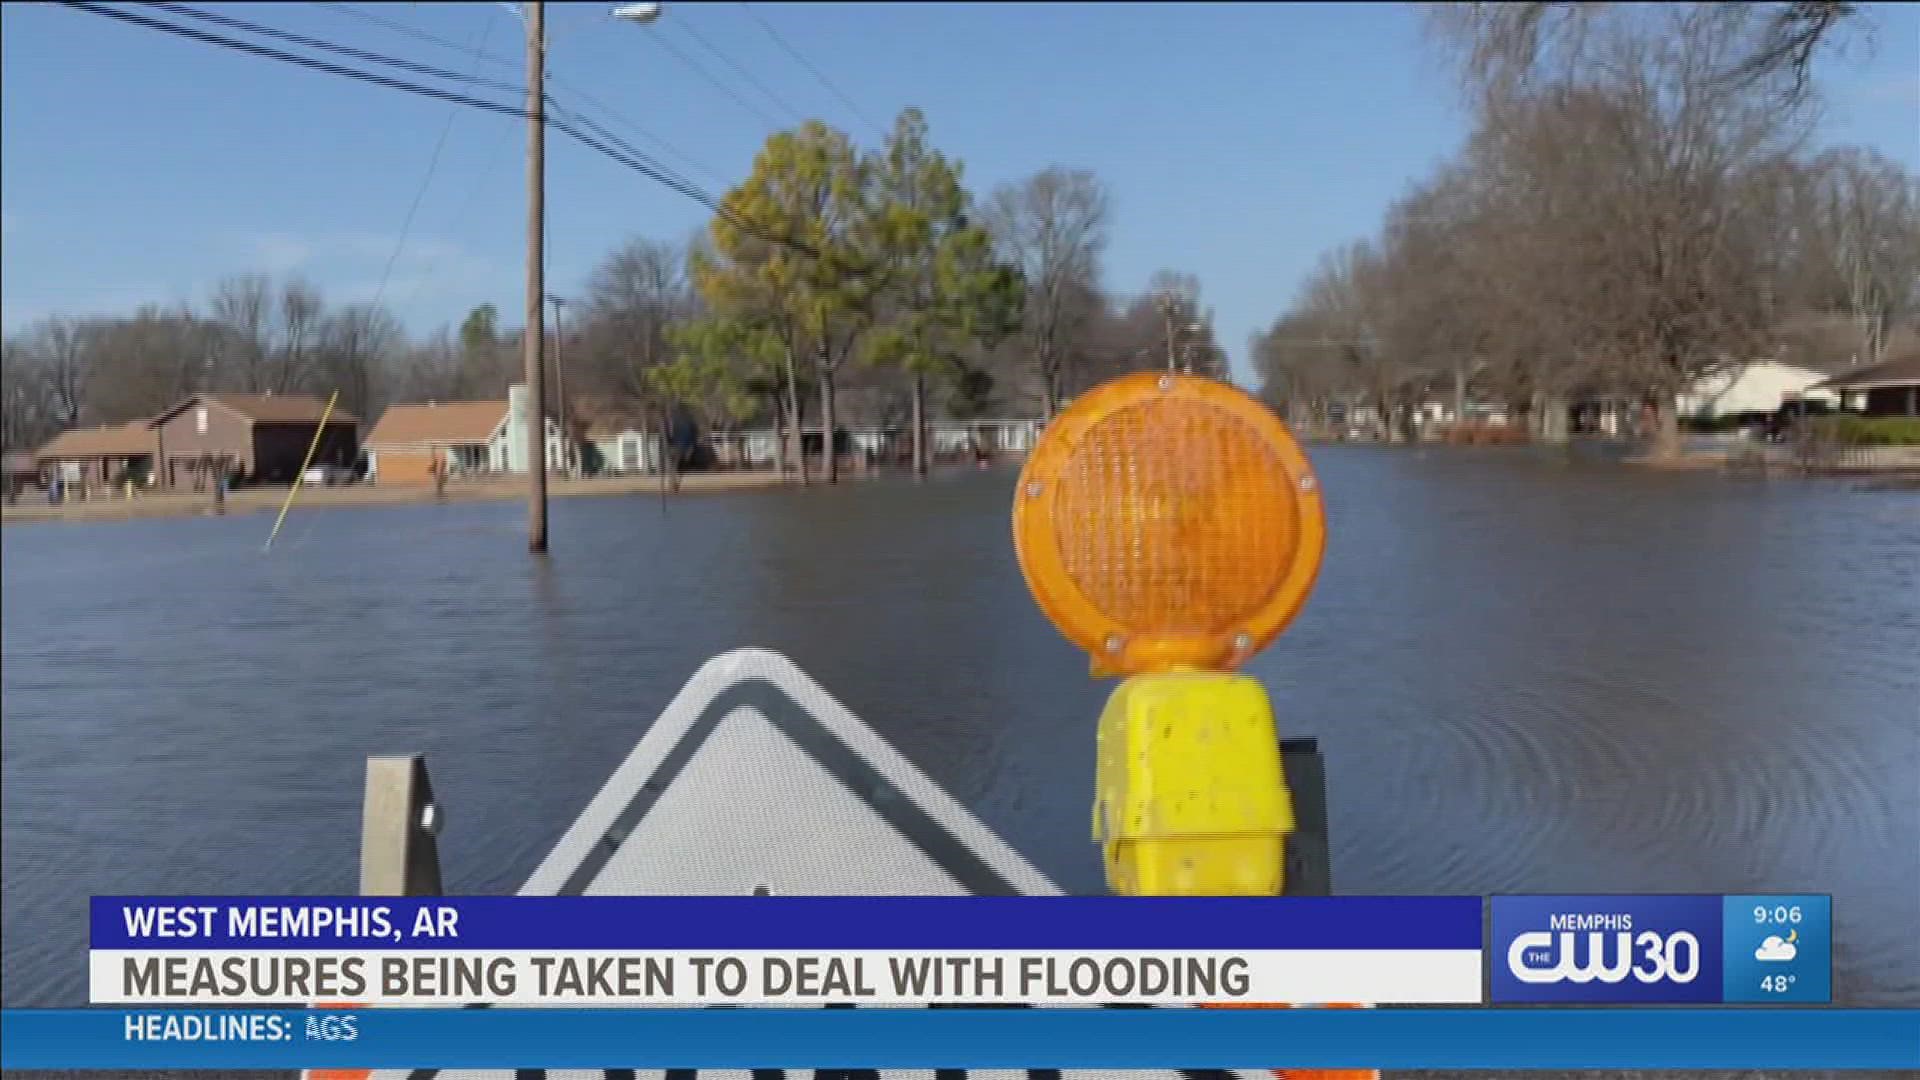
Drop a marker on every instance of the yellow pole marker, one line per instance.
(307, 463)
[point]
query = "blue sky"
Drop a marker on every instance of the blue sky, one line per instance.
(1239, 141)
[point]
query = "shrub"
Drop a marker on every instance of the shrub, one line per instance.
(1704, 425)
(1481, 433)
(1846, 430)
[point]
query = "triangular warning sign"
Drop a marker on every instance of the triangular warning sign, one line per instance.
(756, 778)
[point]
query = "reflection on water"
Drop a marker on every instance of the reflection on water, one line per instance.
(1526, 677)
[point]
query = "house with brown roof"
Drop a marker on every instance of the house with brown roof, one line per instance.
(100, 455)
(1888, 388)
(411, 441)
(259, 437)
(466, 438)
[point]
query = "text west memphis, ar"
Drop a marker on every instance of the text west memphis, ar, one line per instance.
(658, 978)
(267, 922)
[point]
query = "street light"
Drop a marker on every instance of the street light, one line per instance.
(637, 13)
(534, 15)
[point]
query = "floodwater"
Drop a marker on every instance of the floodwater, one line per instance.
(1526, 676)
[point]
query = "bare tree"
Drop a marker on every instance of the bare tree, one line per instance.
(1623, 179)
(357, 348)
(1300, 367)
(272, 333)
(634, 300)
(25, 419)
(430, 370)
(1052, 226)
(1857, 219)
(59, 358)
(302, 315)
(152, 360)
(243, 306)
(1504, 49)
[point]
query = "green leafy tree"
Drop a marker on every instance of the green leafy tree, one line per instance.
(480, 330)
(785, 262)
(941, 294)
(721, 373)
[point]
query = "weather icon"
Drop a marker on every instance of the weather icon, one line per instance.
(1777, 948)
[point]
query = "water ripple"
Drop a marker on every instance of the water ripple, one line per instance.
(1567, 679)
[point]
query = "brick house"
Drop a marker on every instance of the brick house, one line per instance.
(98, 456)
(261, 438)
(411, 441)
(466, 438)
(1888, 388)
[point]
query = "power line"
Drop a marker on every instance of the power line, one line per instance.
(270, 53)
(416, 33)
(639, 163)
(613, 114)
(341, 50)
(491, 165)
(819, 76)
(552, 78)
(741, 71)
(433, 164)
(618, 152)
(694, 66)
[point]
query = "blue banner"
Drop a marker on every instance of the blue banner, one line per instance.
(962, 1038)
(816, 922)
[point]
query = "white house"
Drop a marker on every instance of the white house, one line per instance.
(1753, 387)
(510, 442)
(1002, 436)
(625, 446)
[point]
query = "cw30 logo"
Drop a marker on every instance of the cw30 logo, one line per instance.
(1543, 957)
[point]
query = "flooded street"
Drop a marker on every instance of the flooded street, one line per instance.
(1525, 677)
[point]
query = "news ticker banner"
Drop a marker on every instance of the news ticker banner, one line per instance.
(706, 951)
(929, 1039)
(885, 951)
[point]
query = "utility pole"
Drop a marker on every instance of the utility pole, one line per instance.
(534, 339)
(1166, 313)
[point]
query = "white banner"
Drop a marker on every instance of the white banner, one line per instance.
(864, 977)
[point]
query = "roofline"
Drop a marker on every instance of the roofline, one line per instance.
(187, 403)
(1868, 384)
(424, 444)
(70, 456)
(1896, 371)
(506, 416)
(212, 397)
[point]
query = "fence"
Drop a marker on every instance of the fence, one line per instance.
(1819, 454)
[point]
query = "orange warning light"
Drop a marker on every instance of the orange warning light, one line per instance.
(1168, 521)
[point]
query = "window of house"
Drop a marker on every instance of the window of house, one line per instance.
(200, 421)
